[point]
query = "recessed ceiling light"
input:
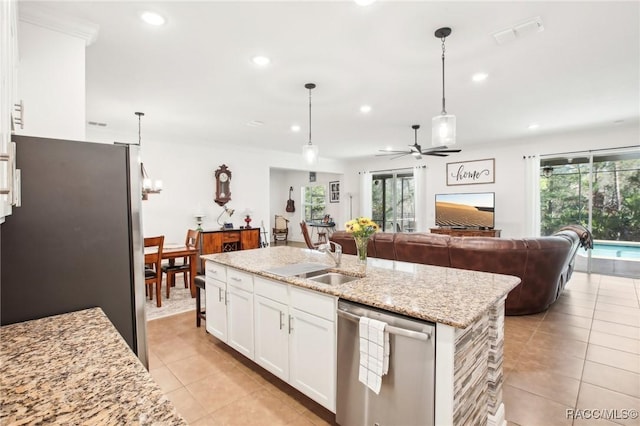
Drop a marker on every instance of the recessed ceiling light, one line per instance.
(364, 2)
(365, 109)
(255, 123)
(533, 126)
(261, 60)
(389, 148)
(152, 18)
(479, 76)
(295, 128)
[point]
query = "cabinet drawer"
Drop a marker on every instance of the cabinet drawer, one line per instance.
(216, 271)
(314, 303)
(231, 237)
(239, 279)
(270, 289)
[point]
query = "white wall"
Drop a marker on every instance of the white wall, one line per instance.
(509, 185)
(187, 168)
(51, 83)
(282, 180)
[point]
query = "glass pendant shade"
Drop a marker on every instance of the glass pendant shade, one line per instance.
(310, 153)
(443, 130)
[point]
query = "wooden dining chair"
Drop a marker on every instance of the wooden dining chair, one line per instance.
(152, 270)
(192, 241)
(307, 237)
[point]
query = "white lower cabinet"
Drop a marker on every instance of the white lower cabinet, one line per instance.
(272, 336)
(312, 352)
(312, 345)
(216, 305)
(240, 312)
(288, 330)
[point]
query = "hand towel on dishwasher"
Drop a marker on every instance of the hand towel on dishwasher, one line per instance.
(374, 353)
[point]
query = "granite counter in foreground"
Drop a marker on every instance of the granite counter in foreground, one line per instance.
(454, 297)
(76, 369)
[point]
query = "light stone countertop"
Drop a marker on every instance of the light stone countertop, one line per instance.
(455, 297)
(75, 369)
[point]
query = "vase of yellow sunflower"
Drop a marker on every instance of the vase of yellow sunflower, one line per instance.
(362, 228)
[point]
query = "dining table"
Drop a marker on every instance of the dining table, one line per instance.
(172, 252)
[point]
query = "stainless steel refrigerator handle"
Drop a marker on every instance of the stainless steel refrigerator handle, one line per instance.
(389, 328)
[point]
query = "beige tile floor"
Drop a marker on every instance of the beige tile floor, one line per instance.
(581, 354)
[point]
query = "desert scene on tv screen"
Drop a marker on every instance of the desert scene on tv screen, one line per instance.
(454, 214)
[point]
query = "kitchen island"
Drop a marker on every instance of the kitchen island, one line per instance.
(467, 308)
(76, 369)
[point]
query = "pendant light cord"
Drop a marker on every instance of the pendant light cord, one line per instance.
(309, 116)
(139, 114)
(444, 111)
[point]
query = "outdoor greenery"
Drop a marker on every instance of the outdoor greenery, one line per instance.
(564, 199)
(383, 205)
(314, 203)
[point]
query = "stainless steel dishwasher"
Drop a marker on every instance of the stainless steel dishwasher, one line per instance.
(408, 390)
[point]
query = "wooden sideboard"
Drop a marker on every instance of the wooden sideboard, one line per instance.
(467, 232)
(227, 240)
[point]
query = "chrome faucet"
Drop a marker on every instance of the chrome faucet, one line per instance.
(326, 248)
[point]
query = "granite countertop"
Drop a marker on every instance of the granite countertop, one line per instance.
(455, 297)
(76, 369)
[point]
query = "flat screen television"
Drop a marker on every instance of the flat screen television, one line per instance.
(472, 210)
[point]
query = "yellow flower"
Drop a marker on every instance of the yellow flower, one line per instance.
(361, 227)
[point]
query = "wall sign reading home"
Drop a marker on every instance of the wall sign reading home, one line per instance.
(471, 172)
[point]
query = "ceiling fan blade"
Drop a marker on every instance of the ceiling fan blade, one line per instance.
(391, 151)
(435, 154)
(395, 153)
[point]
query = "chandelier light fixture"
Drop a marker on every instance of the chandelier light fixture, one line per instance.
(443, 126)
(309, 151)
(148, 186)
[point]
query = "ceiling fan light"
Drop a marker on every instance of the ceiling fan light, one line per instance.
(310, 154)
(443, 130)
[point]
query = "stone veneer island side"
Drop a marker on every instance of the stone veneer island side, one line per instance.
(466, 306)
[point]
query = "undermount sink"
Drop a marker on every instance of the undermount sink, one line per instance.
(332, 278)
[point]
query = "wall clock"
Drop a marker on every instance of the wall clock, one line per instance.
(223, 185)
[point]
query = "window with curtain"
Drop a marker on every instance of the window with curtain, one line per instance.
(314, 199)
(393, 203)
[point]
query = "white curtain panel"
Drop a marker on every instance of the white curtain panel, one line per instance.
(365, 194)
(532, 195)
(420, 182)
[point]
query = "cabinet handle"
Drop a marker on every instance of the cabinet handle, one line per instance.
(281, 320)
(219, 294)
(236, 279)
(290, 324)
(226, 298)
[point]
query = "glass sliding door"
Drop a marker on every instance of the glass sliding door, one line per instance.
(600, 190)
(393, 201)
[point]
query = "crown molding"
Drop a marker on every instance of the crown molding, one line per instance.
(47, 18)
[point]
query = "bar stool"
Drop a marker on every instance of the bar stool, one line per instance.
(200, 283)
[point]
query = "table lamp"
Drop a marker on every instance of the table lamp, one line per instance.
(227, 211)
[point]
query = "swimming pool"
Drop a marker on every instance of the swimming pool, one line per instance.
(615, 249)
(611, 258)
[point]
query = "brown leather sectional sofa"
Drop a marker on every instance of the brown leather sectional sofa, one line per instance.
(544, 264)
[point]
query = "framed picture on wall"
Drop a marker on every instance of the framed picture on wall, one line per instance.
(471, 172)
(334, 192)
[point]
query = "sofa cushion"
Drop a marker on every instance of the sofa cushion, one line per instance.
(425, 248)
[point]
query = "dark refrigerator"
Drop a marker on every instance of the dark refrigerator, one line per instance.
(75, 242)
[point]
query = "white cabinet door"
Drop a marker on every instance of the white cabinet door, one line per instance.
(272, 336)
(216, 305)
(313, 357)
(240, 320)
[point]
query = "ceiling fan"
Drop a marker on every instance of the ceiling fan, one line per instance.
(417, 151)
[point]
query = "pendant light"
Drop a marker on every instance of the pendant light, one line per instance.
(148, 186)
(443, 126)
(309, 151)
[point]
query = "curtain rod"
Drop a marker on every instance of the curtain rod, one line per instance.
(593, 150)
(394, 170)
